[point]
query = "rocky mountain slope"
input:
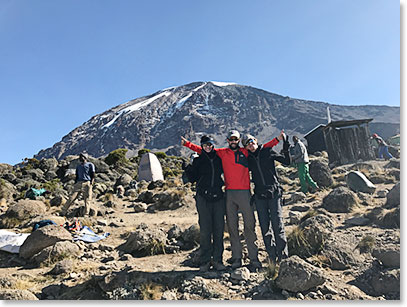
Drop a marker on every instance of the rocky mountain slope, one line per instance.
(343, 240)
(157, 121)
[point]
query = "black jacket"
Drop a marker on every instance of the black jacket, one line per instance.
(206, 171)
(262, 166)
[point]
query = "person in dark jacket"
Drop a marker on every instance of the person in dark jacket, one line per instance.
(206, 171)
(268, 194)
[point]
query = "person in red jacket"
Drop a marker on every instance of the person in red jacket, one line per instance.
(237, 185)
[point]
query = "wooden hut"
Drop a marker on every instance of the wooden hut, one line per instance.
(346, 141)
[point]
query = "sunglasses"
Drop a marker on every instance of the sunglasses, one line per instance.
(251, 141)
(207, 145)
(234, 140)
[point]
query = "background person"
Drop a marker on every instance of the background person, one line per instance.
(85, 177)
(301, 161)
(383, 147)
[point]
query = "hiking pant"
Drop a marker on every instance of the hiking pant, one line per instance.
(239, 201)
(305, 177)
(212, 224)
(83, 187)
(384, 151)
(270, 215)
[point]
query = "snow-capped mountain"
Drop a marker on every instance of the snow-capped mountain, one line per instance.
(157, 121)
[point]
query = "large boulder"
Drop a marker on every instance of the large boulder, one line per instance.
(311, 237)
(58, 251)
(42, 238)
(145, 242)
(168, 200)
(62, 267)
(340, 200)
(50, 164)
(388, 256)
(386, 283)
(393, 197)
(124, 180)
(321, 173)
(5, 168)
(17, 295)
(341, 251)
(296, 275)
(358, 182)
(35, 173)
(393, 163)
(7, 190)
(26, 208)
(100, 165)
(191, 237)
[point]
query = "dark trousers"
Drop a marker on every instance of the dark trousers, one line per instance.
(211, 223)
(270, 215)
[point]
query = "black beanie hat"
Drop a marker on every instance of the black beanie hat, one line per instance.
(206, 139)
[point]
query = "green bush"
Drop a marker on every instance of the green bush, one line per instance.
(143, 151)
(117, 157)
(30, 163)
(52, 185)
(161, 155)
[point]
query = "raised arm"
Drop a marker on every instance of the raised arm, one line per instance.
(276, 140)
(284, 157)
(192, 146)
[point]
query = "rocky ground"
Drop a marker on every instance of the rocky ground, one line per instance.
(344, 240)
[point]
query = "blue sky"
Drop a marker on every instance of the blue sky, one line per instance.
(62, 62)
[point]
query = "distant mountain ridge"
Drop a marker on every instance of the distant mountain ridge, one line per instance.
(157, 121)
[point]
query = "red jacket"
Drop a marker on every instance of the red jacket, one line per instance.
(235, 164)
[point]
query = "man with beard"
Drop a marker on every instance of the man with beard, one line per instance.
(237, 185)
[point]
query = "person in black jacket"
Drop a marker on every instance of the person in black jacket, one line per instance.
(206, 171)
(268, 194)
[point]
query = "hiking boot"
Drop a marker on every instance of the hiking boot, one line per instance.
(237, 263)
(205, 267)
(218, 266)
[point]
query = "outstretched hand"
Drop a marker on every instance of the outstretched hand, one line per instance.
(281, 136)
(183, 140)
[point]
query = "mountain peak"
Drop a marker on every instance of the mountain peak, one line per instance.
(158, 120)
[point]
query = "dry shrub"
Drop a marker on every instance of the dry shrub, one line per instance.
(271, 271)
(367, 244)
(297, 242)
(150, 291)
(320, 261)
(107, 197)
(308, 214)
(9, 222)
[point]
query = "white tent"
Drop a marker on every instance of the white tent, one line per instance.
(150, 168)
